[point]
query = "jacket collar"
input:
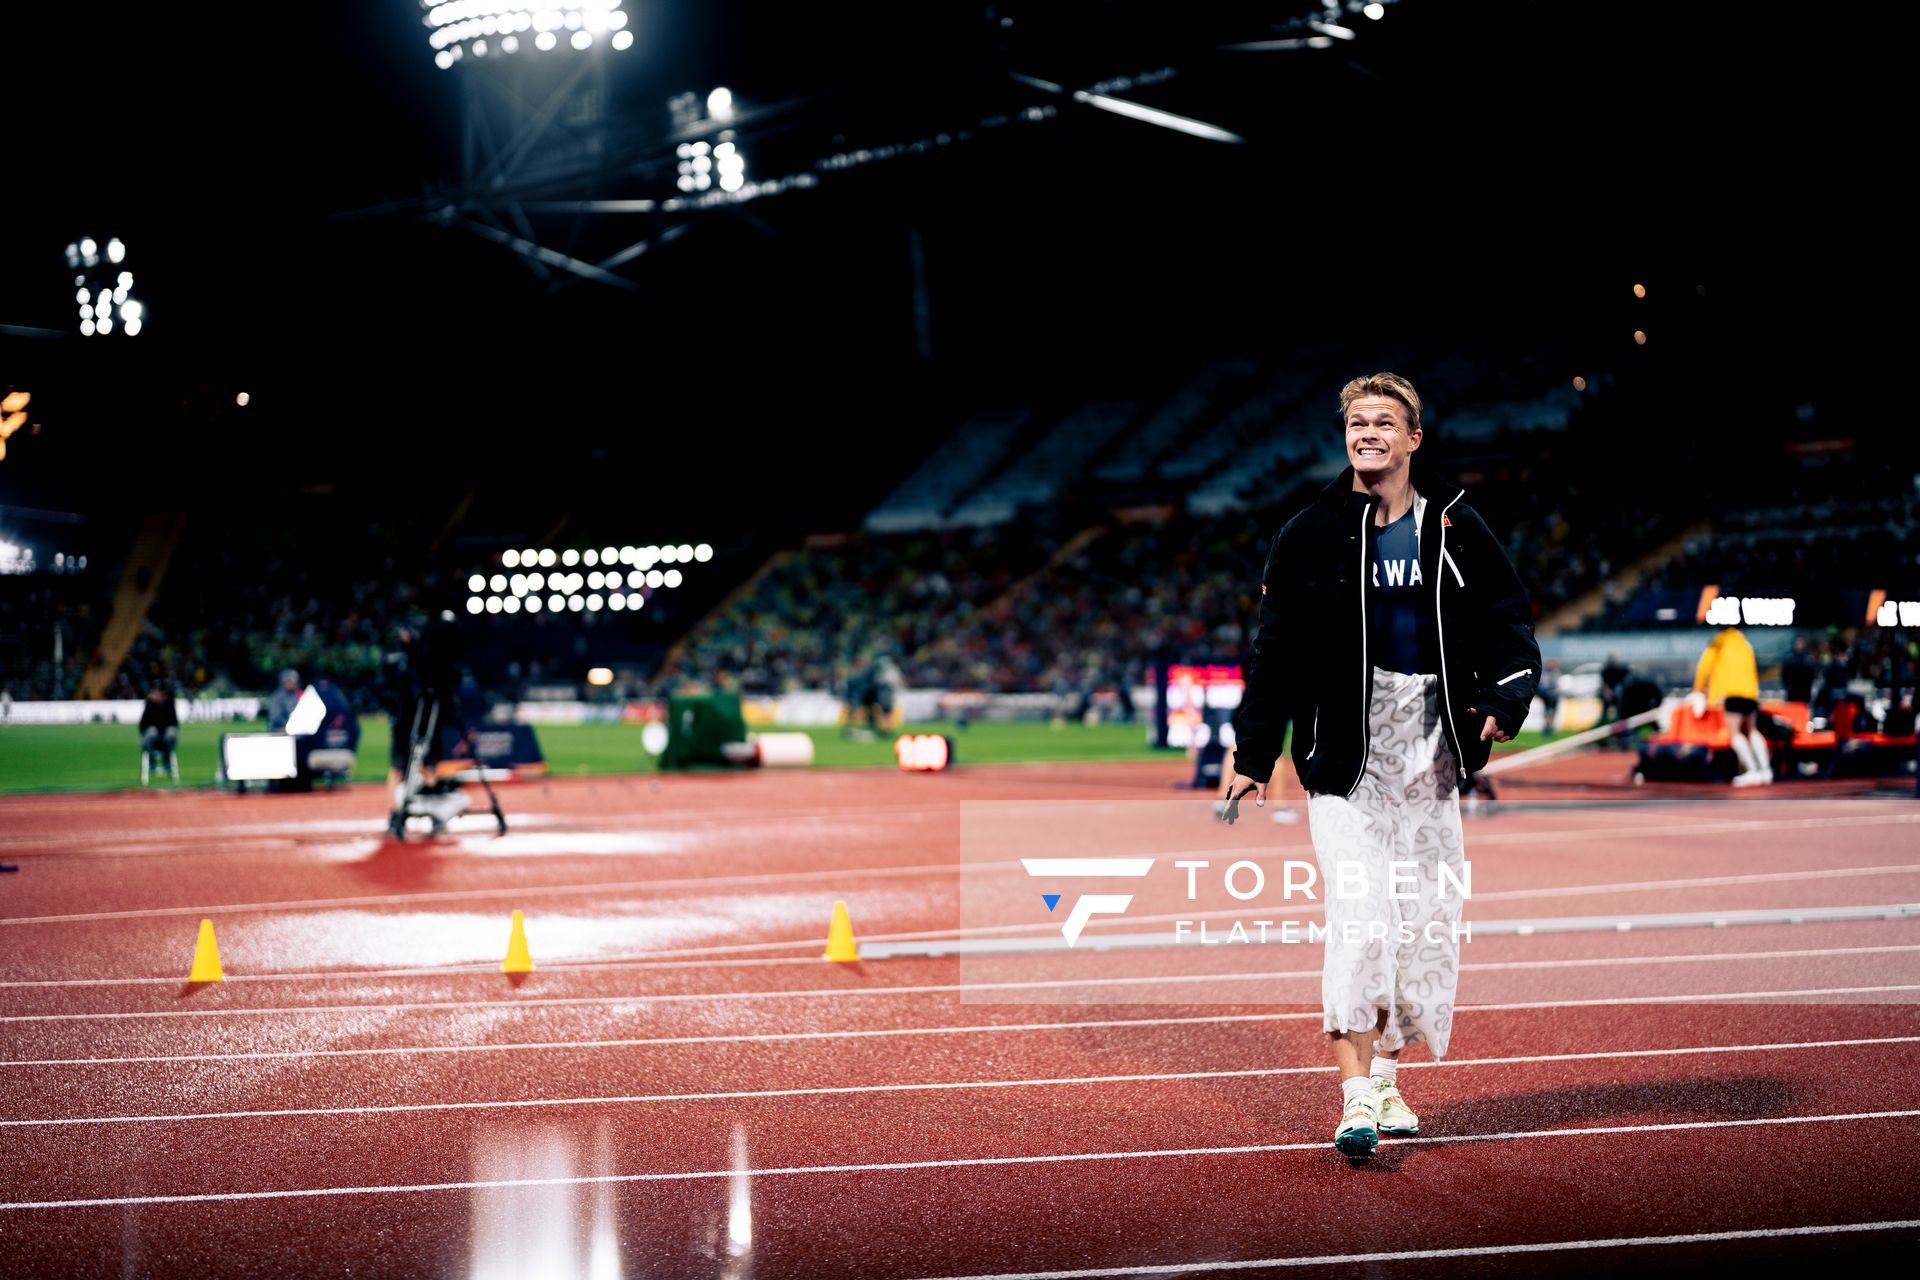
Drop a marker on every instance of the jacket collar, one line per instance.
(1427, 483)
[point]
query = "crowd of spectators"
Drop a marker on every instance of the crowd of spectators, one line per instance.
(821, 613)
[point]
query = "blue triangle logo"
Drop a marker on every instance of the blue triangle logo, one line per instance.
(1051, 899)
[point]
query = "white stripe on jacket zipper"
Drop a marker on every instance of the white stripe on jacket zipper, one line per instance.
(1439, 622)
(1366, 663)
(1524, 671)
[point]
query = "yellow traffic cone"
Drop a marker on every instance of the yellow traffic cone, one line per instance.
(206, 957)
(518, 960)
(840, 943)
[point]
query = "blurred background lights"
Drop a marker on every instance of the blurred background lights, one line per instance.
(243, 399)
(459, 29)
(105, 294)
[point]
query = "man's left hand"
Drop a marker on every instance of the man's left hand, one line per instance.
(1491, 729)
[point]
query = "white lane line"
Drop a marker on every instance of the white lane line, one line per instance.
(924, 1086)
(803, 993)
(1465, 1251)
(696, 882)
(1708, 827)
(1698, 882)
(758, 1037)
(904, 1166)
(493, 970)
(166, 840)
(476, 895)
(661, 958)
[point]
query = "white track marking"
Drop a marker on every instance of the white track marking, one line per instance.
(1467, 1251)
(924, 1087)
(698, 882)
(516, 894)
(659, 958)
(831, 993)
(760, 1037)
(492, 970)
(905, 1166)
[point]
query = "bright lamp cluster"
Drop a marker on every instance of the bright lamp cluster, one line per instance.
(459, 29)
(702, 166)
(103, 289)
(544, 580)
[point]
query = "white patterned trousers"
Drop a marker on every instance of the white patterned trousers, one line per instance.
(1386, 952)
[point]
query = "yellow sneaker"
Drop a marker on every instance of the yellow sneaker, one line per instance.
(1359, 1131)
(1396, 1117)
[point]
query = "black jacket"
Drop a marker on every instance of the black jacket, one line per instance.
(1310, 664)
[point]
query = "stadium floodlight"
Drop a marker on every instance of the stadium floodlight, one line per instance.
(576, 603)
(243, 399)
(696, 166)
(569, 558)
(510, 558)
(600, 677)
(104, 295)
(594, 602)
(672, 578)
(703, 553)
(609, 555)
(536, 582)
(459, 29)
(655, 578)
(686, 553)
(477, 582)
(510, 605)
(720, 104)
(616, 602)
(636, 579)
(498, 582)
(533, 604)
(555, 603)
(1375, 11)
(493, 604)
(547, 558)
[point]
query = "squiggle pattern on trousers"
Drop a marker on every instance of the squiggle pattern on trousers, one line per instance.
(1406, 809)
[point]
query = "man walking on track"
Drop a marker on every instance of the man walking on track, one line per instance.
(1397, 640)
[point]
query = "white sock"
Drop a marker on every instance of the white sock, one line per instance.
(1758, 743)
(1743, 752)
(1356, 1089)
(1383, 1068)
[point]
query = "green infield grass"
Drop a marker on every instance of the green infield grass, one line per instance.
(106, 757)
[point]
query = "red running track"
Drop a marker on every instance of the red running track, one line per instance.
(683, 1088)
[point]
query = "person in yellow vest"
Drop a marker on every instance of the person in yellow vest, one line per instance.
(1728, 675)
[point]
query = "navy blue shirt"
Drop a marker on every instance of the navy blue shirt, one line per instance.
(1398, 606)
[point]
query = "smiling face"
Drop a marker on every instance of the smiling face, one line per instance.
(1379, 437)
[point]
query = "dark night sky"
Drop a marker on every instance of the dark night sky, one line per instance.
(1506, 170)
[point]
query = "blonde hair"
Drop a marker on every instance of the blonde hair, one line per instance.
(1382, 384)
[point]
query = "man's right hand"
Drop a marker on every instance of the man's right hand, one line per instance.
(1240, 785)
